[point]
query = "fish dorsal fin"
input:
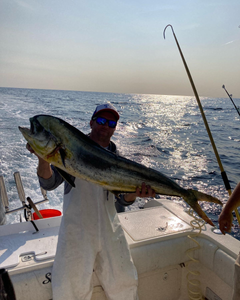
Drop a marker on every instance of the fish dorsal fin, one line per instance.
(65, 176)
(63, 155)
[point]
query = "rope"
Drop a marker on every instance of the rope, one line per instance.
(194, 284)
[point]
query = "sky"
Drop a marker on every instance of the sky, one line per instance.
(118, 46)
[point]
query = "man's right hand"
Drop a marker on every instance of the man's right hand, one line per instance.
(30, 148)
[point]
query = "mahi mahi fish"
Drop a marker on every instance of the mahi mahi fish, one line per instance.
(74, 153)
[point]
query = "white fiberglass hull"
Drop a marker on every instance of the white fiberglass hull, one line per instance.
(162, 251)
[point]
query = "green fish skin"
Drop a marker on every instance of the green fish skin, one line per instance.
(67, 148)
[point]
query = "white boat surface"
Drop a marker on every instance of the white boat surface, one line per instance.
(160, 238)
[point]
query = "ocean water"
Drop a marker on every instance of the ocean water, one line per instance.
(163, 132)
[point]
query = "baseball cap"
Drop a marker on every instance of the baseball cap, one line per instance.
(106, 107)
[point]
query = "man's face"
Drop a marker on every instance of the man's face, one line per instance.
(103, 131)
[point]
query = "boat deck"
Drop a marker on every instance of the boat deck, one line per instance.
(158, 238)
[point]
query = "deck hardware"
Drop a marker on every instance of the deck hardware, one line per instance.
(216, 231)
(42, 253)
(163, 228)
(4, 203)
(31, 256)
(165, 276)
(27, 257)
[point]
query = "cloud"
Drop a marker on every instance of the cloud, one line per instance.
(229, 42)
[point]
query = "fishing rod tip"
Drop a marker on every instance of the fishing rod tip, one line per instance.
(169, 25)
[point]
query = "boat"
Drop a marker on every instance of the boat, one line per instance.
(177, 256)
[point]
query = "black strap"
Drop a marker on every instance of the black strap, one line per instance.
(6, 286)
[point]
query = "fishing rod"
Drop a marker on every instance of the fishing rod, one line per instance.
(231, 99)
(223, 173)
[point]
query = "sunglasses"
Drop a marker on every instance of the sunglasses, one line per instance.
(103, 121)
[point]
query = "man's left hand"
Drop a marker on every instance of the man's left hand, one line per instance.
(144, 191)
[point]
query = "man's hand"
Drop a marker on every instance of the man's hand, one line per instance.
(225, 221)
(144, 192)
(29, 148)
(226, 218)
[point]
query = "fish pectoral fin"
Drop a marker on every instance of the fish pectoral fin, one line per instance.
(65, 176)
(63, 155)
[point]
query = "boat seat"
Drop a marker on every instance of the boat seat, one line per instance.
(215, 259)
(161, 254)
(158, 255)
(223, 265)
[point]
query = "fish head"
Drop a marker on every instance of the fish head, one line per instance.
(40, 137)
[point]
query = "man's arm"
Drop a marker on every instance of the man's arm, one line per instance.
(226, 218)
(44, 169)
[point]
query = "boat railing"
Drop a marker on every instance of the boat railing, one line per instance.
(26, 206)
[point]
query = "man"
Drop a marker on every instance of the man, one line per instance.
(226, 218)
(225, 223)
(90, 235)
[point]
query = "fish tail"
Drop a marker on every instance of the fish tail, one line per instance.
(192, 199)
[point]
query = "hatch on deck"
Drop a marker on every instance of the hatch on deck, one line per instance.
(152, 222)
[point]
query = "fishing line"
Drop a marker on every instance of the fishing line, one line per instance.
(231, 99)
(223, 173)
